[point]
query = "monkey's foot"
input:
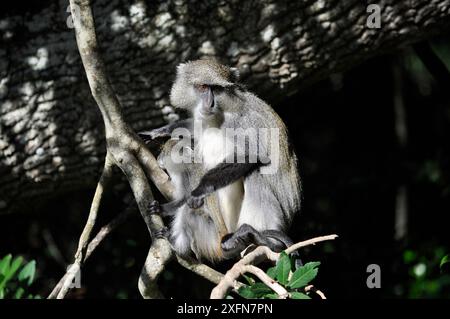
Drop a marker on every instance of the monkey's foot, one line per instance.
(162, 233)
(154, 208)
(231, 246)
(195, 202)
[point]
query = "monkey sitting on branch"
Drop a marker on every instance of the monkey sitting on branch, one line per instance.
(241, 158)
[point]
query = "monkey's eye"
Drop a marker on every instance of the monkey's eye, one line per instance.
(201, 87)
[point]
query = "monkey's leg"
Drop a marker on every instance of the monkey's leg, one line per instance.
(286, 241)
(233, 244)
(219, 176)
(164, 131)
(276, 240)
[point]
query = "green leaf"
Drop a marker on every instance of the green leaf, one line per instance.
(283, 268)
(271, 296)
(272, 272)
(19, 293)
(303, 275)
(299, 295)
(246, 292)
(444, 260)
(260, 289)
(28, 272)
(10, 270)
(409, 256)
(15, 265)
(4, 264)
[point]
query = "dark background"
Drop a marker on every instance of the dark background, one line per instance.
(353, 165)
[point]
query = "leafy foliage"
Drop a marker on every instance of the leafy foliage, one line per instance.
(428, 273)
(284, 272)
(16, 277)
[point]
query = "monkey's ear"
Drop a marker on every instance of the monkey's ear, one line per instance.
(234, 74)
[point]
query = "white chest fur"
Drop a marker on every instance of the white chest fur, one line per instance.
(214, 149)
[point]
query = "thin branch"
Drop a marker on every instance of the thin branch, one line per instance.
(269, 282)
(202, 270)
(312, 241)
(101, 235)
(229, 281)
(316, 291)
(95, 206)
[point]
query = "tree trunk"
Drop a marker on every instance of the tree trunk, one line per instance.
(51, 136)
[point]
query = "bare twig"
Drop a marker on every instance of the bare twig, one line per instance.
(316, 291)
(229, 281)
(92, 218)
(101, 235)
(201, 269)
(272, 284)
(312, 241)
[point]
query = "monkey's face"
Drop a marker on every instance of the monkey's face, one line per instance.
(202, 87)
(175, 156)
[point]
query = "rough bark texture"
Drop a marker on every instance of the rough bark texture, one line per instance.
(51, 135)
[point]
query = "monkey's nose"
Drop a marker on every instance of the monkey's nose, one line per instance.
(208, 98)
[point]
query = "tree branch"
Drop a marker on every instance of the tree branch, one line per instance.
(124, 149)
(101, 235)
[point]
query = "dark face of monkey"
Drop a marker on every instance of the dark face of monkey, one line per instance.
(205, 88)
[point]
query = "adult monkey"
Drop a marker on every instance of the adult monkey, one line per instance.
(257, 201)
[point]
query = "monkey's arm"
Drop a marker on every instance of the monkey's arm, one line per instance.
(165, 210)
(220, 176)
(166, 130)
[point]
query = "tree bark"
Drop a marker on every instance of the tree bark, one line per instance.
(51, 135)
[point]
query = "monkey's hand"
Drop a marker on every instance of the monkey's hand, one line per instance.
(232, 246)
(154, 208)
(198, 194)
(195, 202)
(162, 233)
(165, 210)
(147, 136)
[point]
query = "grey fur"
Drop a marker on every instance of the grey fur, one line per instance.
(269, 201)
(191, 231)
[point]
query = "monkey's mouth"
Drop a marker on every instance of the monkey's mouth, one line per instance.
(206, 112)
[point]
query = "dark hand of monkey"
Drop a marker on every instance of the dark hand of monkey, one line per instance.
(195, 202)
(164, 131)
(162, 233)
(154, 208)
(147, 136)
(165, 210)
